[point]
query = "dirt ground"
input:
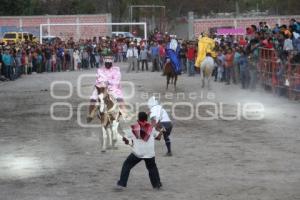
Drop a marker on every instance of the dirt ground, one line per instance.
(46, 159)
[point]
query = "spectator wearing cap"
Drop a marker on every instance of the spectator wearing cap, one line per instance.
(132, 56)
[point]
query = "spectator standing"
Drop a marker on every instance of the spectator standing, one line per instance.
(120, 52)
(18, 64)
(77, 61)
(53, 61)
(48, 55)
(97, 58)
(144, 57)
(220, 61)
(1, 64)
(244, 70)
(132, 57)
(30, 55)
(229, 57)
(67, 58)
(236, 68)
(39, 62)
(8, 64)
(252, 71)
(24, 62)
(162, 55)
(124, 51)
(182, 54)
(154, 51)
(85, 59)
(60, 58)
(190, 59)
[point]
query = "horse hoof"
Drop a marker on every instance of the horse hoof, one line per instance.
(103, 151)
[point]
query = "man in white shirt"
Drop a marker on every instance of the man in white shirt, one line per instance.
(160, 118)
(132, 56)
(288, 44)
(142, 138)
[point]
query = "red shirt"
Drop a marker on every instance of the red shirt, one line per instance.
(269, 45)
(229, 60)
(242, 42)
(191, 53)
(161, 50)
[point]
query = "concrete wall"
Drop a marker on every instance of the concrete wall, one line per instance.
(32, 24)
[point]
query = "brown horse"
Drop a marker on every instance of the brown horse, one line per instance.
(170, 74)
(108, 112)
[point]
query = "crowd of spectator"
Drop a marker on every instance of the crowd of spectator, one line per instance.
(236, 57)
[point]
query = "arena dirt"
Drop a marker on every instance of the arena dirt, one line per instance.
(46, 159)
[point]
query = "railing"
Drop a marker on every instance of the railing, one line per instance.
(281, 78)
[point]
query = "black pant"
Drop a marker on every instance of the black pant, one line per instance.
(131, 161)
(155, 64)
(146, 63)
(168, 126)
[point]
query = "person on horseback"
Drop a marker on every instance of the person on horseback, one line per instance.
(172, 52)
(108, 76)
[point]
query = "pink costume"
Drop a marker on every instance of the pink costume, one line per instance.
(112, 78)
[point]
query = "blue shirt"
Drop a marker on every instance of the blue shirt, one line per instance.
(154, 50)
(243, 62)
(7, 59)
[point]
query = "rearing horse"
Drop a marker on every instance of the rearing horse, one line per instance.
(108, 113)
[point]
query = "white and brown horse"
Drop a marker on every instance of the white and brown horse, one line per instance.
(107, 110)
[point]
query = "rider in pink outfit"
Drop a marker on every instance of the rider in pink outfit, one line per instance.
(109, 76)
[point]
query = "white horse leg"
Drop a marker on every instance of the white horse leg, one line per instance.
(109, 137)
(115, 125)
(202, 77)
(104, 140)
(208, 81)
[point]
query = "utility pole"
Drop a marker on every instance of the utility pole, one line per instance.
(237, 8)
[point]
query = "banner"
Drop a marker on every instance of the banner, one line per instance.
(231, 31)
